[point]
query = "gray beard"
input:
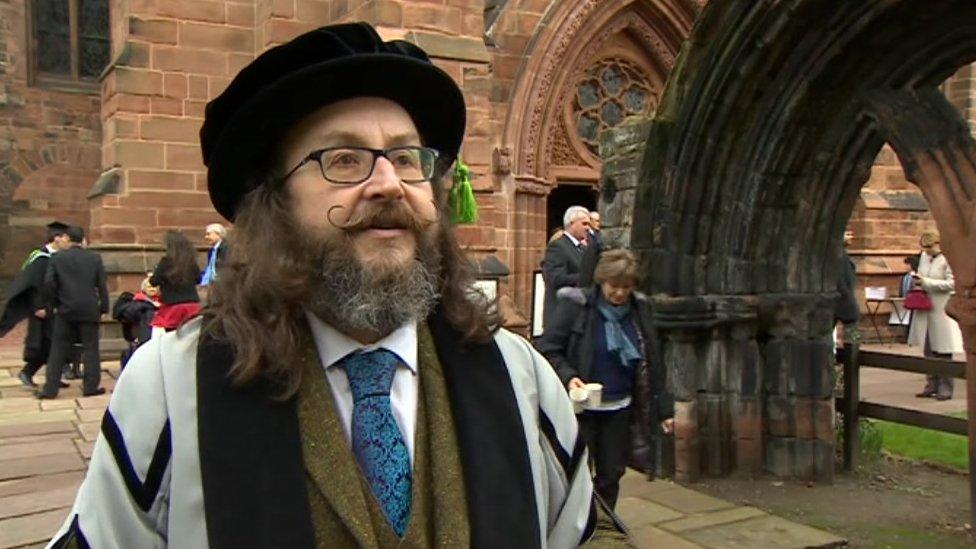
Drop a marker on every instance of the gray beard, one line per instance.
(351, 297)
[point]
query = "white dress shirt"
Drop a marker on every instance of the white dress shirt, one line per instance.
(333, 346)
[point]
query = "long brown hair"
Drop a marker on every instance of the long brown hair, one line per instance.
(183, 269)
(256, 304)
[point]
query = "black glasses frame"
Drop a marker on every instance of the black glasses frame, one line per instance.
(316, 156)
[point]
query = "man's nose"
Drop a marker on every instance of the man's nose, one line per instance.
(384, 182)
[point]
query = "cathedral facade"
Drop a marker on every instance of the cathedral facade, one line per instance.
(102, 102)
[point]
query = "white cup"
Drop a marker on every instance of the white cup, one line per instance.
(595, 391)
(578, 395)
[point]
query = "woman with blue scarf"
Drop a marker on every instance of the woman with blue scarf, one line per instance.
(604, 334)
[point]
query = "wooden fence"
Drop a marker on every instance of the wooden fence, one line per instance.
(853, 408)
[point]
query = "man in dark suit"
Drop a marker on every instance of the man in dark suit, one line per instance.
(561, 266)
(75, 283)
(847, 311)
(594, 246)
(26, 301)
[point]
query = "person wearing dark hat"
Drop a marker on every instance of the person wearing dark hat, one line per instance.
(75, 286)
(25, 300)
(343, 388)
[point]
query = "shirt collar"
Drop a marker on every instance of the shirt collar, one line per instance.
(572, 239)
(334, 345)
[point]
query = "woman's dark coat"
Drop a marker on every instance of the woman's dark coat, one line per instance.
(568, 345)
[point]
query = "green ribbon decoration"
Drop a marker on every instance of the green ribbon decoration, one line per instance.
(460, 200)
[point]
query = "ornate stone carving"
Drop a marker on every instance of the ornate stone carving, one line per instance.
(501, 160)
(561, 152)
(554, 58)
(546, 105)
(608, 91)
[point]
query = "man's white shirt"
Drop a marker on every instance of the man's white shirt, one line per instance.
(333, 346)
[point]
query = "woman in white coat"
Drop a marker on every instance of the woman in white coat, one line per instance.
(933, 330)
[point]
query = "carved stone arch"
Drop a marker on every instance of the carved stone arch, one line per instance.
(766, 133)
(573, 35)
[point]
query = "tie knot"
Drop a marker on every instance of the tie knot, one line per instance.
(370, 373)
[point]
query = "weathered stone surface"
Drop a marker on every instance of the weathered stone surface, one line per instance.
(652, 536)
(450, 47)
(764, 531)
(682, 362)
(695, 522)
(779, 413)
(779, 456)
(686, 419)
(824, 418)
(803, 458)
(638, 512)
(748, 456)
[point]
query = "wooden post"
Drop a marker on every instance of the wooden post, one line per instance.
(971, 416)
(852, 395)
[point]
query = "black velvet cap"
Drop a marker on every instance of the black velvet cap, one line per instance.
(243, 126)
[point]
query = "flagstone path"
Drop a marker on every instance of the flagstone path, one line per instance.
(45, 446)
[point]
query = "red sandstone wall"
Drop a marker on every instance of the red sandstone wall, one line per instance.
(892, 213)
(49, 149)
(180, 54)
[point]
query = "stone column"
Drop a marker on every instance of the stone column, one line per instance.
(622, 151)
(799, 384)
(715, 373)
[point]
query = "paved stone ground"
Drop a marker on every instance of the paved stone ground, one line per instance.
(898, 388)
(45, 445)
(44, 448)
(664, 514)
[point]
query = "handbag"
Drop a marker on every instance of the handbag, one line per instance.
(918, 300)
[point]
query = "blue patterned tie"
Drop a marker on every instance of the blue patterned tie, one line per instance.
(376, 438)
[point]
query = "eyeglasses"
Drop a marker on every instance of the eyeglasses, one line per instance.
(353, 165)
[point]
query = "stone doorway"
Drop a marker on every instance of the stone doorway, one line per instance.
(561, 198)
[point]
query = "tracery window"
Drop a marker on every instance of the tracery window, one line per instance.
(607, 93)
(69, 40)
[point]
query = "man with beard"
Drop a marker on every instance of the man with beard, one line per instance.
(26, 300)
(343, 388)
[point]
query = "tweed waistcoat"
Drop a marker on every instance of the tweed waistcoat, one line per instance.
(344, 512)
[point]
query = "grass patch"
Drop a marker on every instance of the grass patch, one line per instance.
(924, 444)
(898, 537)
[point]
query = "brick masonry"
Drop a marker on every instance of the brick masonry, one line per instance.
(891, 214)
(49, 149)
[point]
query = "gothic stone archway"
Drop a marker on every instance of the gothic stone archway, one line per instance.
(593, 63)
(766, 132)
